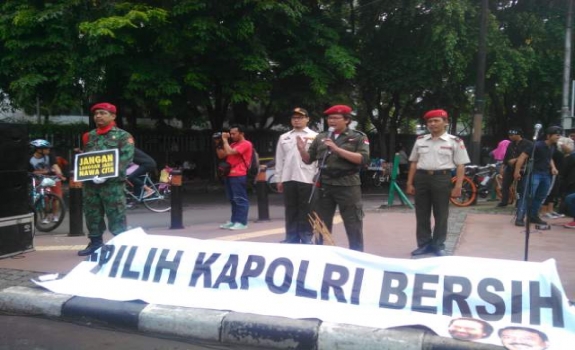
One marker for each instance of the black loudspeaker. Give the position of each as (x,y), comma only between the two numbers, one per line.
(16,235)
(14,147)
(14,193)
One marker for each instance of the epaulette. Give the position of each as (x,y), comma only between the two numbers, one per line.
(421,136)
(457,139)
(359,132)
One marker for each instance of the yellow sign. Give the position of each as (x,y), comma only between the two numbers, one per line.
(96,164)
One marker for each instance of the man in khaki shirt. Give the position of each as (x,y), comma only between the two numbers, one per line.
(295,178)
(432,159)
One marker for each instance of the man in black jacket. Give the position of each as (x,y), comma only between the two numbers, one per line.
(516,147)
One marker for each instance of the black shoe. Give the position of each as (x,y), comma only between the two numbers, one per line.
(422,250)
(519,222)
(94,245)
(440,252)
(501,205)
(537,220)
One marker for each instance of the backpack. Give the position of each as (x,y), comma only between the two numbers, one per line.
(254,166)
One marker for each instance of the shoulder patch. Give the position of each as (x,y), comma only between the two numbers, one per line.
(420,137)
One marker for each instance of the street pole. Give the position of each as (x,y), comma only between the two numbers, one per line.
(480,86)
(566,118)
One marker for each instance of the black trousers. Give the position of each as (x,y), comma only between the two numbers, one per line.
(432,193)
(506,183)
(348,199)
(137,180)
(297,208)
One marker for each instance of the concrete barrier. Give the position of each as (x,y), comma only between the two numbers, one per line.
(225,326)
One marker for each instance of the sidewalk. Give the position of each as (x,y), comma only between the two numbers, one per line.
(480,231)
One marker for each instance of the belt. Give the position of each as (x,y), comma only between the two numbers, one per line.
(434,172)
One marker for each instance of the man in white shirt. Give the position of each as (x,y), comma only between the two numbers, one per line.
(295,178)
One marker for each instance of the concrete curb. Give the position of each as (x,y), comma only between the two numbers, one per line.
(225,326)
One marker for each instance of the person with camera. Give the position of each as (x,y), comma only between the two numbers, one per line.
(236,151)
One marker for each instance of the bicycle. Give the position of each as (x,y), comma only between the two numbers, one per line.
(478,180)
(159,201)
(49,208)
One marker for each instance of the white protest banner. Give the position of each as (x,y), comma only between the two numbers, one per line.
(328,283)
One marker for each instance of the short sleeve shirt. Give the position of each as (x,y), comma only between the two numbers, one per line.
(541,157)
(42,163)
(443,153)
(515,149)
(239,162)
(338,171)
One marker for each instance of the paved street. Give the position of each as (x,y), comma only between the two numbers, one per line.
(479,231)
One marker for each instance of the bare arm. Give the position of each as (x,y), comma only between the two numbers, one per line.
(519,164)
(410,175)
(459,174)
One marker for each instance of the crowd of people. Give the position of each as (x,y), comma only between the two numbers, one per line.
(319,172)
(542,175)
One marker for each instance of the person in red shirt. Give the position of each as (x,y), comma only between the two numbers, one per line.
(238,153)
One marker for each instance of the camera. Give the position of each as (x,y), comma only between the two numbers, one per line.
(217,135)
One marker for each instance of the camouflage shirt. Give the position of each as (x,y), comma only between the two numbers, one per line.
(115,138)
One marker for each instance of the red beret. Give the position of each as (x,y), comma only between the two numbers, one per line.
(338,109)
(105,106)
(435,113)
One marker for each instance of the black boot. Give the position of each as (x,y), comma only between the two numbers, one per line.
(95,244)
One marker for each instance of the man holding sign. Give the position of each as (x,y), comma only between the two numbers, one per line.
(104,195)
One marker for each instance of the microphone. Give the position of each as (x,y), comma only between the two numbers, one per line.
(330,131)
(536,132)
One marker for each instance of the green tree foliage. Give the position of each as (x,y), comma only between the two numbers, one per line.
(415,56)
(251,61)
(39,54)
(525,64)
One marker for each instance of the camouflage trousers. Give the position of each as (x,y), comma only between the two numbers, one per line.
(107,199)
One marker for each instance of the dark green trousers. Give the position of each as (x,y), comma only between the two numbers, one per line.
(109,200)
(348,199)
(432,193)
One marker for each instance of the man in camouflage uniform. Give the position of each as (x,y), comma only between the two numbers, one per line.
(105,197)
(432,159)
(340,154)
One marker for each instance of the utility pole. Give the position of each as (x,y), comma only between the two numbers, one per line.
(566,118)
(480,86)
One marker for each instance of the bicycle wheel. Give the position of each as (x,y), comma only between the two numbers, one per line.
(468,193)
(49,212)
(161,201)
(272,184)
